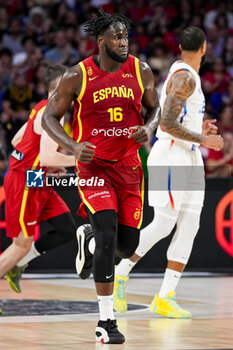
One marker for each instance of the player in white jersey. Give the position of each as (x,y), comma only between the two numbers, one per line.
(175,163)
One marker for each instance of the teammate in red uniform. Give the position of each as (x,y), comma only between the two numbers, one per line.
(26,207)
(108,129)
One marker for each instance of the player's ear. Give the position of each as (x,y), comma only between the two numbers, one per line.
(203,48)
(100,40)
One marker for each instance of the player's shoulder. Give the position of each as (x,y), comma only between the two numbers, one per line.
(183,76)
(73,72)
(144,66)
(182,83)
(183,71)
(40,104)
(146,74)
(71,80)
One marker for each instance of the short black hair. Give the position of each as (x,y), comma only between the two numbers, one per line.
(53,72)
(26,38)
(5,51)
(99,24)
(192,38)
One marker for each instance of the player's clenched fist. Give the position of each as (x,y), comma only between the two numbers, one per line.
(140,134)
(84,152)
(213,141)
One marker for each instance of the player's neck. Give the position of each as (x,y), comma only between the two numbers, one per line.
(108,65)
(192,61)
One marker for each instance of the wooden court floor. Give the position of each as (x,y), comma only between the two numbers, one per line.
(210,299)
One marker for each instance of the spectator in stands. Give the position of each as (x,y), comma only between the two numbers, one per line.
(30,65)
(220,163)
(37,16)
(3,19)
(141,37)
(159,58)
(17,103)
(228,100)
(86,47)
(185,12)
(215,84)
(12,39)
(140,10)
(225,122)
(209,59)
(228,54)
(220,8)
(221,25)
(6,68)
(39,89)
(63,52)
(28,44)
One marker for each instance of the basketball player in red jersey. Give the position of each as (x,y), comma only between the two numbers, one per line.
(27,207)
(108,91)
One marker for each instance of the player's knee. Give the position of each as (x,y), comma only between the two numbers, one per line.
(181,245)
(105,241)
(22,245)
(65,226)
(104,226)
(126,252)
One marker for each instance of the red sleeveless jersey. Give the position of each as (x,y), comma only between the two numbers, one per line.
(107,106)
(26,153)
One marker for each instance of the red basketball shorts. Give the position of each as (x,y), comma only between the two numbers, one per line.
(27,207)
(113,185)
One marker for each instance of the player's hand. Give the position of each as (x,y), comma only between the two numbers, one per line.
(140,133)
(213,141)
(84,152)
(208,128)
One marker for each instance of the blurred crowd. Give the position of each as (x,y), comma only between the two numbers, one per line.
(36,33)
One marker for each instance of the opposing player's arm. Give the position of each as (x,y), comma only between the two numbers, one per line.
(151,103)
(19,135)
(58,104)
(180,87)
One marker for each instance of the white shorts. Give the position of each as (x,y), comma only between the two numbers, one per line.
(176,175)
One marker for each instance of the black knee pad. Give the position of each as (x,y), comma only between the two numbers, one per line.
(64,230)
(104,225)
(127,241)
(64,226)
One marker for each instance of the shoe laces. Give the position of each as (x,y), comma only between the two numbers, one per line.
(121,289)
(110,325)
(17,271)
(173,303)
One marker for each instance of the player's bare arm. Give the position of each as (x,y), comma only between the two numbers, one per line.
(50,157)
(180,87)
(19,135)
(58,104)
(151,103)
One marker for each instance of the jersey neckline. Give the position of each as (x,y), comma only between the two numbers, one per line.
(106,73)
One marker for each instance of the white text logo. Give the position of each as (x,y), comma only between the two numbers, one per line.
(111,132)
